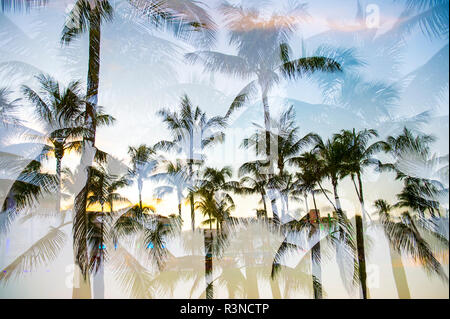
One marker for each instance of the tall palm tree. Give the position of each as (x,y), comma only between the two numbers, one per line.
(97,194)
(358,156)
(176,178)
(331,165)
(308,179)
(283,136)
(59,109)
(217,204)
(89,15)
(263,54)
(287,144)
(142,164)
(191,129)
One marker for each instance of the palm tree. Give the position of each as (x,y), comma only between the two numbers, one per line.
(102,191)
(113,196)
(217,207)
(358,156)
(263,54)
(8,108)
(288,187)
(284,136)
(331,164)
(143,163)
(383,210)
(59,109)
(89,15)
(287,145)
(308,179)
(404,235)
(48,248)
(215,203)
(31,184)
(412,163)
(430,16)
(174,174)
(191,129)
(331,159)
(97,194)
(254,181)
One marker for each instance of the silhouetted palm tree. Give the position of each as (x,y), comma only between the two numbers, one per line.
(263,54)
(191,129)
(176,178)
(254,181)
(331,164)
(59,109)
(308,179)
(89,15)
(405,236)
(359,155)
(143,162)
(283,136)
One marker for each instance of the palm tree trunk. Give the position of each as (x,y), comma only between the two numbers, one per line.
(263,197)
(398,270)
(191,173)
(275,288)
(315,205)
(265,102)
(208,265)
(92,98)
(361,256)
(316,268)
(336,196)
(58,176)
(82,285)
(99,277)
(275,215)
(360,242)
(93,77)
(140,194)
(306,203)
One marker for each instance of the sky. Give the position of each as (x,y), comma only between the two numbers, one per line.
(143,70)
